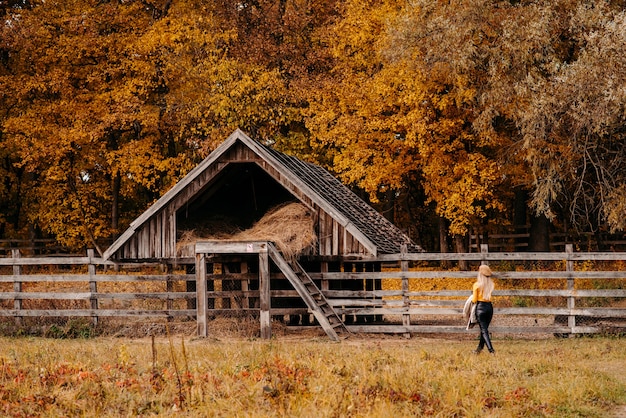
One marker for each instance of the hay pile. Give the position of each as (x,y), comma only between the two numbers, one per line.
(290,226)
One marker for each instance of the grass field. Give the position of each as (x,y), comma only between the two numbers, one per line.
(300,376)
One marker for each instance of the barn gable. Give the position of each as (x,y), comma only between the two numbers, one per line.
(244,178)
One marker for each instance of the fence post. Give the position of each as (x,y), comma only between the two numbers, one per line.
(169,288)
(404,267)
(245,286)
(324,286)
(264,296)
(17,285)
(571,302)
(484,250)
(93,285)
(201,299)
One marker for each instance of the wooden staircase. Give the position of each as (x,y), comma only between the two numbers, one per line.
(310,293)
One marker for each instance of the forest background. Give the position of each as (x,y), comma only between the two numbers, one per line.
(450,117)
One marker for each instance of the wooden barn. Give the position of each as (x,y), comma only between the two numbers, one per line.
(206,216)
(254,233)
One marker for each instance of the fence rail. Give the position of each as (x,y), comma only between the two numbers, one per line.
(563,293)
(558,241)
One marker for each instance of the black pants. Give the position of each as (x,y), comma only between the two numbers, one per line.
(484,312)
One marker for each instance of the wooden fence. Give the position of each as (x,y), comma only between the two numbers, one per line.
(554,293)
(558,241)
(90,287)
(35,246)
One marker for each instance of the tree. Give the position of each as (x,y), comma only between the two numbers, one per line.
(456,108)
(79,97)
(286,38)
(573,128)
(397,112)
(514,73)
(113,102)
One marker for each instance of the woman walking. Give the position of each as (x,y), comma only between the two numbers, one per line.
(484,309)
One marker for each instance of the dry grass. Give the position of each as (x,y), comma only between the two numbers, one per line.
(289,226)
(310,377)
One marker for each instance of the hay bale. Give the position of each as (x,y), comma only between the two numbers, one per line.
(290,226)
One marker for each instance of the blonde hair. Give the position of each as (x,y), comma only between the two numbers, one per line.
(485,283)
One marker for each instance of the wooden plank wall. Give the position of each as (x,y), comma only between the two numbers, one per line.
(156,239)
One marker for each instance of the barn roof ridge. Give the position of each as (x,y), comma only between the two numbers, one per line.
(375,232)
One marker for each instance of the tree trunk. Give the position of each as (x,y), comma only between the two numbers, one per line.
(520,215)
(443,241)
(460,245)
(539,239)
(443,236)
(115,209)
(389,206)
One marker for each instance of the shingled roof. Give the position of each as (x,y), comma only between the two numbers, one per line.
(373,230)
(385,235)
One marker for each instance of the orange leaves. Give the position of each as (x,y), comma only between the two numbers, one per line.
(86,109)
(454,102)
(396,112)
(209,93)
(463,188)
(377,393)
(280,380)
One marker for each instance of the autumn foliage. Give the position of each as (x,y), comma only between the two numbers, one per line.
(436,111)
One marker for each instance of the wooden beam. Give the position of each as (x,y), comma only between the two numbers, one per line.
(264,289)
(49,261)
(17,286)
(404,267)
(93,285)
(201,297)
(111,313)
(571,301)
(231,247)
(59,278)
(166,296)
(443,329)
(245,285)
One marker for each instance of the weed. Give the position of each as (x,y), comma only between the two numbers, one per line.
(521,302)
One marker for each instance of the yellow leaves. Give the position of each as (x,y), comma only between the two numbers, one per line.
(463,187)
(388,94)
(615,208)
(82,94)
(361,28)
(226,96)
(393,118)
(134,160)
